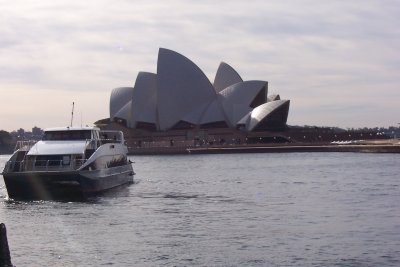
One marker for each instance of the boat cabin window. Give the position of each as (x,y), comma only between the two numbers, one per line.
(67,135)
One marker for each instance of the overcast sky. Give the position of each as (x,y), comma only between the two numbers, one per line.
(337,61)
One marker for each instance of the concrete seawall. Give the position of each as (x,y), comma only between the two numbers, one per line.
(274,148)
(286,149)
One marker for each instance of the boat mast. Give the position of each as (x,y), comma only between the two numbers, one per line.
(72,113)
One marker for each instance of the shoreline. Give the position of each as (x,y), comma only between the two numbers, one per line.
(297,149)
(387,146)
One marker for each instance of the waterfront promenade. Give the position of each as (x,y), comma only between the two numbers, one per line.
(372,146)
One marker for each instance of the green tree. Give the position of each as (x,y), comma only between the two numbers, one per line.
(5,142)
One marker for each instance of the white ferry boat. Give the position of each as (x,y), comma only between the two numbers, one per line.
(68,162)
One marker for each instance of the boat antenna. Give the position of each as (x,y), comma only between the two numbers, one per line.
(72,113)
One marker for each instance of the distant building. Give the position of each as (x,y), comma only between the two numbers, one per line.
(20,133)
(37,133)
(180,96)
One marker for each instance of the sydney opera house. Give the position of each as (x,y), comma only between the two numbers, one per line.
(180,96)
(178,110)
(179,100)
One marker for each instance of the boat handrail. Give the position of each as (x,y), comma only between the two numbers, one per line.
(24,145)
(109,136)
(42,165)
(95,143)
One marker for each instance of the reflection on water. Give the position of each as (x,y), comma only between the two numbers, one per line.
(306,209)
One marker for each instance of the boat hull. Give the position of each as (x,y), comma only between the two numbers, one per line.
(66,184)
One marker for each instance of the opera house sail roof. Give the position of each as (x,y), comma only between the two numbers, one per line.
(181,96)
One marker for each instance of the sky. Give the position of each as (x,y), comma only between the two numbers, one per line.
(337,61)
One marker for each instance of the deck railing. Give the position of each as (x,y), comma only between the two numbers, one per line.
(24,145)
(59,165)
(111,137)
(43,165)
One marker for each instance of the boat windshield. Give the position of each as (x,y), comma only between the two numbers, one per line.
(67,135)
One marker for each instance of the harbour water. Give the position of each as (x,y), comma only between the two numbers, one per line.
(283,209)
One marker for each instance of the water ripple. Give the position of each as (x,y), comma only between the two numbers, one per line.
(235,210)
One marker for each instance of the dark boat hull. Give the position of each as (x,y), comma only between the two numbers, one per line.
(68,184)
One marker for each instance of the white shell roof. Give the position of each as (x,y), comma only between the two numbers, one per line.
(226,76)
(245,119)
(119,97)
(182,88)
(195,115)
(144,100)
(261,112)
(124,112)
(273,98)
(213,113)
(236,99)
